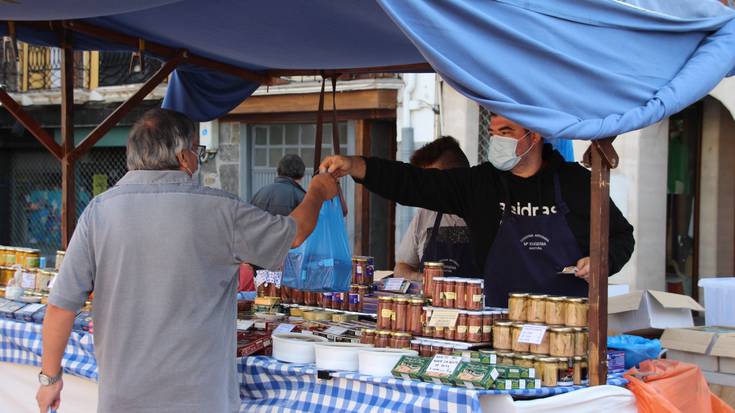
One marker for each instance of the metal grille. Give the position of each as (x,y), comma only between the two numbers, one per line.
(483,142)
(35,214)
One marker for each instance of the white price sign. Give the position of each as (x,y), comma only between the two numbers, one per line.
(532,334)
(284,328)
(443,364)
(244,324)
(393,284)
(335,331)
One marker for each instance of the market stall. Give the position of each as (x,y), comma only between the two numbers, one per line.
(518,39)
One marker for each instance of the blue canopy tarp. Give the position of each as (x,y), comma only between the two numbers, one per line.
(574,69)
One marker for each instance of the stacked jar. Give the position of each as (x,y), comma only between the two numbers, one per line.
(363,270)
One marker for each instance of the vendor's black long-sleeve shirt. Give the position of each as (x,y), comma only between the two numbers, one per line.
(476,195)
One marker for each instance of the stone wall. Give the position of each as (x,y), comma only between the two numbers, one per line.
(223,171)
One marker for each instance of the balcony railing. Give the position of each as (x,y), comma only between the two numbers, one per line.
(39,68)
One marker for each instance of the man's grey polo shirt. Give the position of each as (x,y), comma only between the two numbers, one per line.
(161,254)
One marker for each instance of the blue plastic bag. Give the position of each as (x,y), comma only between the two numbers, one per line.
(637,349)
(324,261)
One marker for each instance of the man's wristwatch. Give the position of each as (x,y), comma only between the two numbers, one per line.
(47,381)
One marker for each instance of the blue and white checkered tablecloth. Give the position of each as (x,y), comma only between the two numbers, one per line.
(20,342)
(269,385)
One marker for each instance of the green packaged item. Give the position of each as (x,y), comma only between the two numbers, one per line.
(488,357)
(410,367)
(468,355)
(517,384)
(516,372)
(475,375)
(441,369)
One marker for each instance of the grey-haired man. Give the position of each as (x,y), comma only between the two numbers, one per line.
(161,254)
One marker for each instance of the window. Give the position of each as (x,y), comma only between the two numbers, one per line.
(272,142)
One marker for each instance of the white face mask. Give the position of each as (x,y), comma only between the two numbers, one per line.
(502,152)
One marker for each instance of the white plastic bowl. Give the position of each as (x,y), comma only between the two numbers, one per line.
(295,347)
(380,361)
(338,356)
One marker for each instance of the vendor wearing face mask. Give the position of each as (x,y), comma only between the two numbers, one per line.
(528,211)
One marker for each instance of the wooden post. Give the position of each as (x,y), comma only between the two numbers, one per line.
(33,127)
(601,157)
(68,195)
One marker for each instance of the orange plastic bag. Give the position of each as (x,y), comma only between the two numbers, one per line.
(670,386)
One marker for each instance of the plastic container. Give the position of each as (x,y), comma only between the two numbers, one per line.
(719,299)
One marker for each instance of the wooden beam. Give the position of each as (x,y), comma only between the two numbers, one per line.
(125,108)
(409,68)
(168,52)
(308,117)
(30,124)
(308,102)
(602,157)
(68,187)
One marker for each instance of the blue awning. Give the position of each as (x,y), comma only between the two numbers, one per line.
(573,69)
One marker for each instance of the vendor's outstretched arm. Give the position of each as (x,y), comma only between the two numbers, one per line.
(321,188)
(445,191)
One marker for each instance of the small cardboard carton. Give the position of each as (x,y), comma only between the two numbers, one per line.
(711,348)
(650,311)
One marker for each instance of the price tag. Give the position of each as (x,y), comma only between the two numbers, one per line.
(532,334)
(244,324)
(335,331)
(28,280)
(284,328)
(442,317)
(443,365)
(393,284)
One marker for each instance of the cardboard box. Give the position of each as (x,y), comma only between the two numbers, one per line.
(711,348)
(650,311)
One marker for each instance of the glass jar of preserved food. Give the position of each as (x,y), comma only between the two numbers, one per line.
(400,313)
(541,348)
(427,331)
(33,258)
(59,259)
(450,333)
(337,300)
(580,370)
(566,372)
(367,336)
(517,306)
(425,350)
(362,291)
(575,314)
(285,295)
(326,300)
(431,271)
(487,326)
(359,270)
(537,308)
(401,340)
(561,342)
(549,371)
(297,296)
(382,338)
(415,311)
(438,332)
(450,295)
(555,310)
(462,326)
(385,312)
(353,302)
(475,294)
(517,346)
(502,338)
(460,288)
(506,358)
(447,349)
(581,341)
(474,326)
(416,345)
(437,298)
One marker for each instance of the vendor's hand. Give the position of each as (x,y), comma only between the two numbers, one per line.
(49,396)
(324,186)
(340,166)
(583,269)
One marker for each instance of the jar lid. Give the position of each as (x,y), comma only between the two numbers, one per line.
(434,264)
(362,287)
(580,358)
(576,300)
(556,298)
(474,313)
(526,357)
(580,329)
(538,296)
(400,299)
(359,259)
(488,351)
(518,295)
(416,342)
(549,359)
(439,279)
(417,301)
(383,332)
(449,279)
(561,329)
(506,354)
(401,334)
(503,323)
(385,298)
(563,359)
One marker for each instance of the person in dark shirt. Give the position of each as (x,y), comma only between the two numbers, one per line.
(285,194)
(528,210)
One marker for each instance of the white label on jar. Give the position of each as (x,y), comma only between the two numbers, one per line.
(531,372)
(533,334)
(28,280)
(359,269)
(477,298)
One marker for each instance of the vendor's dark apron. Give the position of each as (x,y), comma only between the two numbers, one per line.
(529,251)
(455,252)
